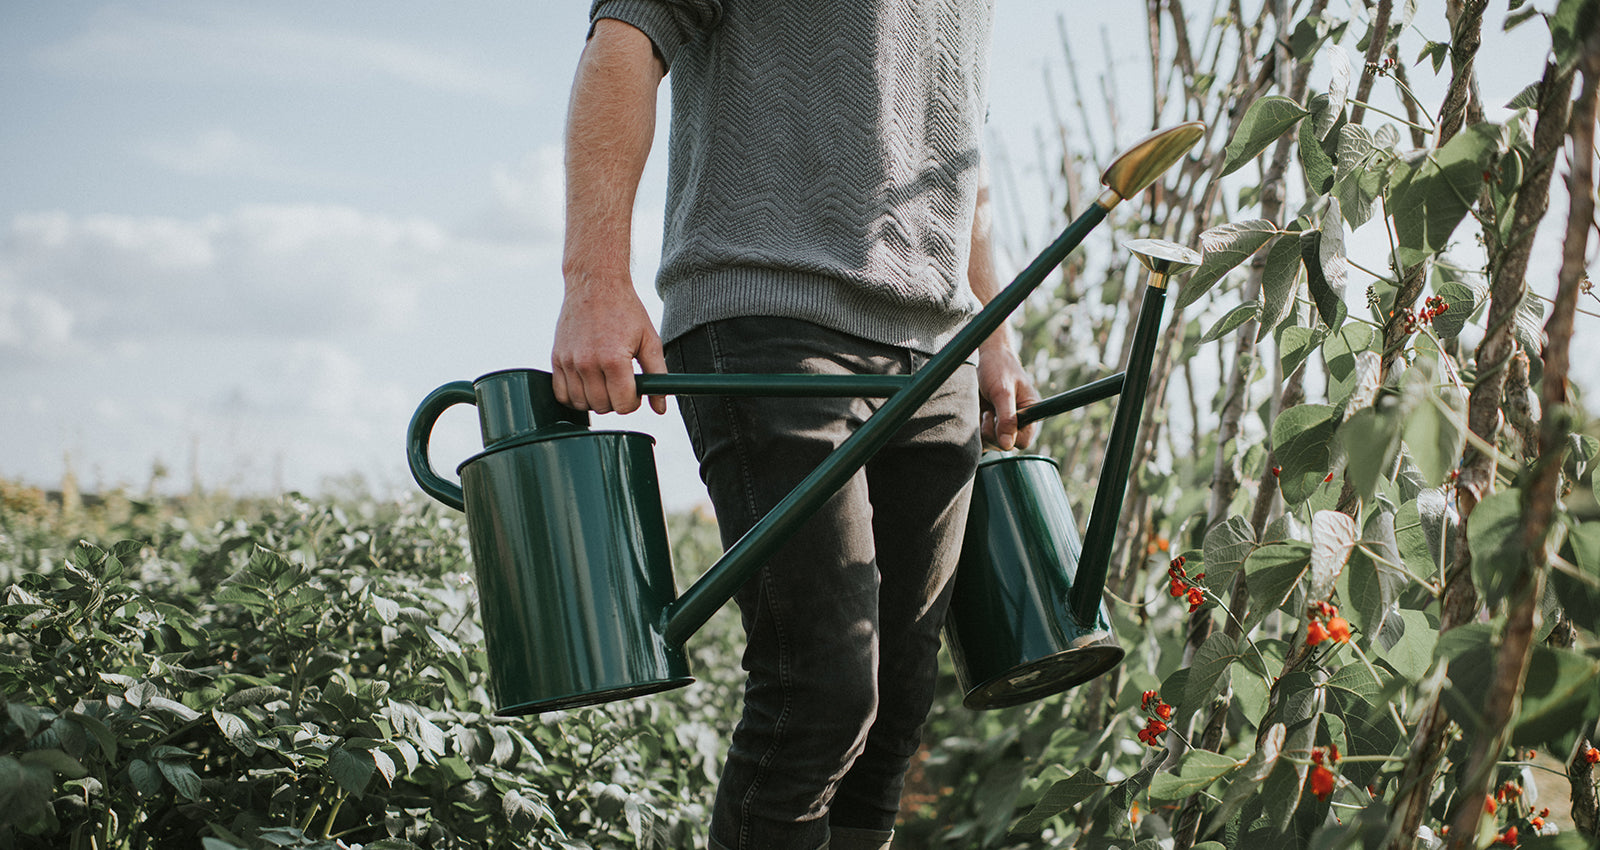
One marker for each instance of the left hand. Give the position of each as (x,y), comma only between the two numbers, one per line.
(1003,386)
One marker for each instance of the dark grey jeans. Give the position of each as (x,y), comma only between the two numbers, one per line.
(843,623)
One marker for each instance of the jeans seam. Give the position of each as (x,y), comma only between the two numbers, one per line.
(747,483)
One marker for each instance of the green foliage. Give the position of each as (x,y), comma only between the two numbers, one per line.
(1295,693)
(312,679)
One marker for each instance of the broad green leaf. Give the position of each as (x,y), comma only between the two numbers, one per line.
(1428,203)
(1250,693)
(385,765)
(24,792)
(1580,595)
(1371,443)
(1573,21)
(1226,546)
(99,731)
(1209,670)
(1528,98)
(1231,322)
(1122,795)
(1322,252)
(1425,530)
(352,771)
(55,761)
(1296,345)
(1412,655)
(1314,161)
(1338,64)
(1494,533)
(1246,785)
(1462,294)
(1357,679)
(236,730)
(1353,183)
(1222,248)
(1301,439)
(455,769)
(1264,121)
(1063,795)
(26,717)
(1371,584)
(1280,282)
(1194,771)
(145,777)
(1333,536)
(1435,438)
(1435,52)
(1339,352)
(182,778)
(1273,571)
(1559,698)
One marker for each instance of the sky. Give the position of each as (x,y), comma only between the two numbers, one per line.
(239,242)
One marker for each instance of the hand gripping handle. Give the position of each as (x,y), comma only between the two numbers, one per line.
(421,429)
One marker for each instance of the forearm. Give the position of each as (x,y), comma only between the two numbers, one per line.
(610,125)
(982,275)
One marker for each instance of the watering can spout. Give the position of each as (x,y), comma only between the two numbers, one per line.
(1027,618)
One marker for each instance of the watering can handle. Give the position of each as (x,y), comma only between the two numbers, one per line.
(419,432)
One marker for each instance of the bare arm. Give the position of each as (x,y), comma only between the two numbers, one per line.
(603,327)
(1003,384)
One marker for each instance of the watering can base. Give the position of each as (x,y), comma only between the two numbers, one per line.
(1046,676)
(592,697)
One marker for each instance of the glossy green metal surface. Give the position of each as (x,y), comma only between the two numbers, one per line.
(573,566)
(771,386)
(1010,630)
(517,402)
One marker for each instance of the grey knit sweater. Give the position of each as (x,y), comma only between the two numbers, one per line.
(823,160)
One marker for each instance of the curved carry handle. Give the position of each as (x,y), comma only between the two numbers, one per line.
(421,429)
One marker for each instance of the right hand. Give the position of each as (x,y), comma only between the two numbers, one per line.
(603,328)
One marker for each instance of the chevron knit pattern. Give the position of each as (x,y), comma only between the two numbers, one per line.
(823,160)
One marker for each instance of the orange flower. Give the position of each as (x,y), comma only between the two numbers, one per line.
(1592,756)
(1537,823)
(1164,711)
(1339,630)
(1508,838)
(1197,597)
(1489,805)
(1315,633)
(1321,782)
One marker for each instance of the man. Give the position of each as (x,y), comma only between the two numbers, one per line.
(826,213)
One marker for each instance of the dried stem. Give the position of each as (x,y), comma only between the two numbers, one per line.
(1476,479)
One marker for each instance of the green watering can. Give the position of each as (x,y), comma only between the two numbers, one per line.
(569,538)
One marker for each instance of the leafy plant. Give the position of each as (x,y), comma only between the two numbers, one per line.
(312,679)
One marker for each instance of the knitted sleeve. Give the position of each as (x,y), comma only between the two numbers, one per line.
(669,23)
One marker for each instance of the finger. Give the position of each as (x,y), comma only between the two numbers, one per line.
(1005,419)
(616,381)
(558,385)
(653,362)
(1025,434)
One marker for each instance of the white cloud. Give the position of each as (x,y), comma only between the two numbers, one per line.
(528,197)
(218,152)
(237,42)
(300,271)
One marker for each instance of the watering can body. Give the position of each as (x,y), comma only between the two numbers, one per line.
(1010,631)
(569,545)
